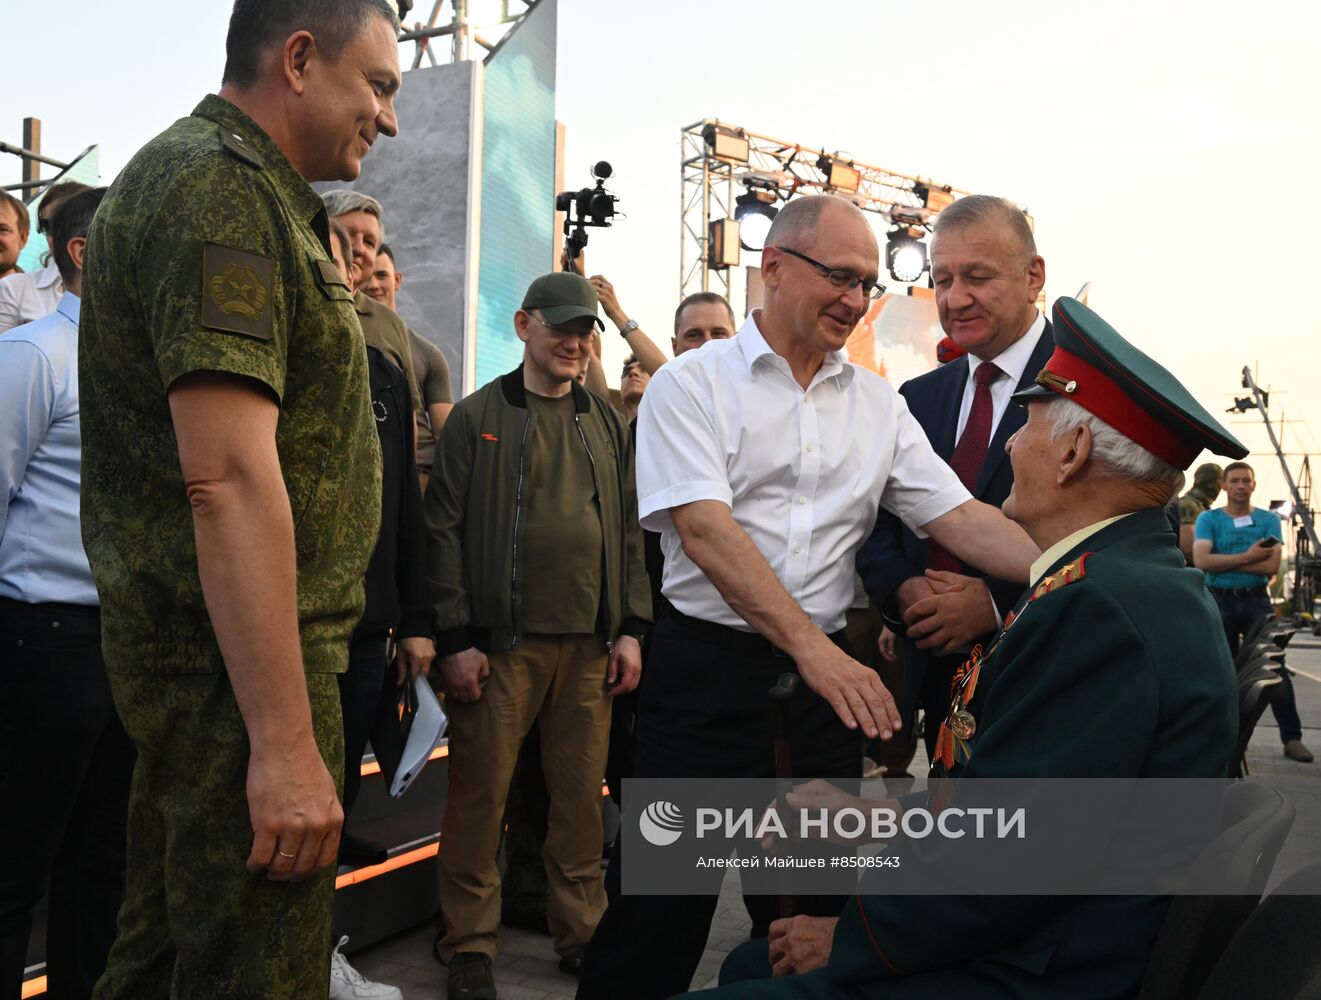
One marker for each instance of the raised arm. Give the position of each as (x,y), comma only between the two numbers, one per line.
(649,356)
(982,536)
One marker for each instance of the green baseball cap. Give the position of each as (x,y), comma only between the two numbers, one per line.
(562,297)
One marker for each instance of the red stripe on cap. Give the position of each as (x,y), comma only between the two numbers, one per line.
(1105,398)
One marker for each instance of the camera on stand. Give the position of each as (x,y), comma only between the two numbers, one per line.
(590,206)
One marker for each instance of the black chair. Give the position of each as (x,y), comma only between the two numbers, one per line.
(1274,956)
(1255,819)
(1256,686)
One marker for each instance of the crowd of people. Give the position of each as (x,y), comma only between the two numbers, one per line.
(240,507)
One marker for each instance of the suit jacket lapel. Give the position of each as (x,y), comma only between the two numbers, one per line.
(946,407)
(1015,416)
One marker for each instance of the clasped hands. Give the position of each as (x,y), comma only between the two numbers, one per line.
(945,611)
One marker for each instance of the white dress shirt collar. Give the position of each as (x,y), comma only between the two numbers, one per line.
(754,348)
(1014,358)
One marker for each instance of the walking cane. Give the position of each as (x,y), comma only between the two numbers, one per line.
(780,696)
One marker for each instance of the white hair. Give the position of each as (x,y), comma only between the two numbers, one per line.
(343,201)
(1120,456)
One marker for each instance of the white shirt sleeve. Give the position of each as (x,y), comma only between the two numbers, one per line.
(10,313)
(680,457)
(921,487)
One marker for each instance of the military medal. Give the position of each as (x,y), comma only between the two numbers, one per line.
(962,724)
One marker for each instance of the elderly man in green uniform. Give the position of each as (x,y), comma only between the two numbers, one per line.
(1110,666)
(231,498)
(1208,481)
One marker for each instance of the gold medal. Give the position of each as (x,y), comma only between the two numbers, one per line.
(962,724)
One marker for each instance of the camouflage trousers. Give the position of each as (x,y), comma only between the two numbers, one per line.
(195,923)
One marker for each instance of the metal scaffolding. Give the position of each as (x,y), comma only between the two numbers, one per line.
(709,185)
(464,29)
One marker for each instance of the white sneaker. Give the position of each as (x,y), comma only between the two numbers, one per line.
(347,983)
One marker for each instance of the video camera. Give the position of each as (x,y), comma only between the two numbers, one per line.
(591,206)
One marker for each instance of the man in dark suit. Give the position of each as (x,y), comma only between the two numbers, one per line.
(1110,665)
(988,276)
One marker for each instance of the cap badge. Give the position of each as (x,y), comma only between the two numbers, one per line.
(1052,381)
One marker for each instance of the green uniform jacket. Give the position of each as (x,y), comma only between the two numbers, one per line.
(1123,673)
(473,507)
(209,254)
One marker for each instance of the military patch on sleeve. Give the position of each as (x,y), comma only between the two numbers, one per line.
(1062,577)
(236,291)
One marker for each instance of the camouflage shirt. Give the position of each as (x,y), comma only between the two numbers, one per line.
(1191,505)
(209,253)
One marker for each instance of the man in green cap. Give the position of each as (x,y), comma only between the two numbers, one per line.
(231,499)
(541,601)
(1208,480)
(1111,665)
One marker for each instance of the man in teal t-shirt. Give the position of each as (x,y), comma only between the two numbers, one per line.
(1233,545)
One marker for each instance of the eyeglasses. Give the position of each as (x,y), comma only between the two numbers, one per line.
(839,277)
(564,331)
(43,223)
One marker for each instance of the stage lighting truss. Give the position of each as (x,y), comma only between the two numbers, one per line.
(906,254)
(718,175)
(476,29)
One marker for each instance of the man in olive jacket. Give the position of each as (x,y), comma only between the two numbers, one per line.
(540,602)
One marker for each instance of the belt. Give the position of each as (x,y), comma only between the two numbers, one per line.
(48,611)
(1239,593)
(747,643)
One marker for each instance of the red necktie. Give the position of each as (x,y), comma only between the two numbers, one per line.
(970,453)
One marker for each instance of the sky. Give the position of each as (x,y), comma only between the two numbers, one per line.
(1167,150)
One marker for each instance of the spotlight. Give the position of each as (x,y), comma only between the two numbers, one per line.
(934,196)
(839,175)
(754,212)
(722,245)
(726,144)
(905,254)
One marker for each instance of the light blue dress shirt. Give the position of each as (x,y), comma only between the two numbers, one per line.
(41,544)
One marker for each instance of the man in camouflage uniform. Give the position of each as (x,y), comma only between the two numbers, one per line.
(1208,481)
(231,498)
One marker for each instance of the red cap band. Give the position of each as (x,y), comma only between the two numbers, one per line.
(1103,397)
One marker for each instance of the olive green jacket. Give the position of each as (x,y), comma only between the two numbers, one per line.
(474,506)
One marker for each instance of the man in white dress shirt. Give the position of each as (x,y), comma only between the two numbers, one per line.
(31,295)
(763,461)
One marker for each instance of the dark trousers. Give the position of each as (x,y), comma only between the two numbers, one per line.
(1237,615)
(704,713)
(64,788)
(359,695)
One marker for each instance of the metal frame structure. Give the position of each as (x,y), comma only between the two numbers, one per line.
(461,29)
(709,185)
(1307,548)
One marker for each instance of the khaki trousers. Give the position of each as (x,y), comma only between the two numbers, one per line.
(560,680)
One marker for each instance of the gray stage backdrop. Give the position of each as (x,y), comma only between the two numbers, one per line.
(423,178)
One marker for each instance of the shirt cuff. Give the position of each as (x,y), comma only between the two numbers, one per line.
(654,509)
(938,505)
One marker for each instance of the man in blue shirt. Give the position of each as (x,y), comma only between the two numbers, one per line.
(1238,547)
(68,762)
